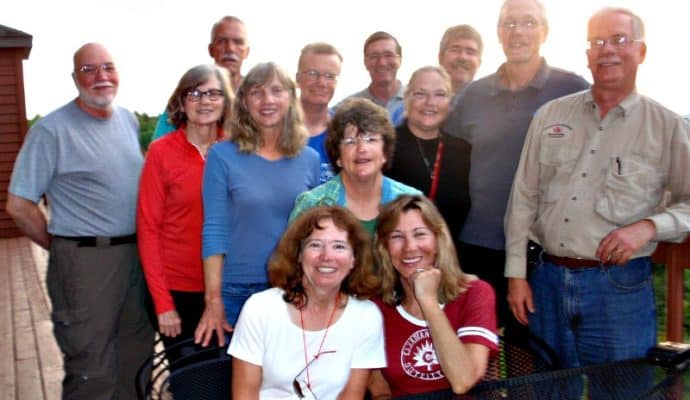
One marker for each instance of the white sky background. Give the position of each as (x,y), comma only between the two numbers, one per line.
(154,42)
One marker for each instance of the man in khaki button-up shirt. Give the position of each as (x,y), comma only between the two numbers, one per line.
(589,187)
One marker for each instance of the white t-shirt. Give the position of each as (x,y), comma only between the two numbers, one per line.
(265,336)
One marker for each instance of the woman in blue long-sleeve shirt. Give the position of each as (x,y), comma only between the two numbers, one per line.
(250,185)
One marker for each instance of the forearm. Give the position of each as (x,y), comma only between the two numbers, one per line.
(30,219)
(213,278)
(461,366)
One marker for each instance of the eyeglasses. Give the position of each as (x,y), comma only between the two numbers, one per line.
(388,56)
(420,95)
(299,385)
(526,24)
(617,41)
(314,75)
(92,69)
(196,95)
(366,138)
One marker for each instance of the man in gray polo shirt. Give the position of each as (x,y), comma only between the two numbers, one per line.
(493,114)
(85,158)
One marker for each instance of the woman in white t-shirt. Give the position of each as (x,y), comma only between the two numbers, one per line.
(314,334)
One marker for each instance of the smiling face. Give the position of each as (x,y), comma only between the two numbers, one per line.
(362,159)
(95,76)
(317,89)
(427,102)
(205,111)
(461,59)
(521,31)
(411,245)
(614,68)
(382,60)
(326,257)
(229,46)
(268,104)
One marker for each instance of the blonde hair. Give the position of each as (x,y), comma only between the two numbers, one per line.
(243,130)
(453,280)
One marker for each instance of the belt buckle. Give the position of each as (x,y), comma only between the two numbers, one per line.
(102,241)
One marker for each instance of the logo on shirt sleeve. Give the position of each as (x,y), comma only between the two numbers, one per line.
(418,357)
(558,130)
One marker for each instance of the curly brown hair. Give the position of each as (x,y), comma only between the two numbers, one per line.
(366,116)
(285,271)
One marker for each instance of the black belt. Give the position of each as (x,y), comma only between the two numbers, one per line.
(100,241)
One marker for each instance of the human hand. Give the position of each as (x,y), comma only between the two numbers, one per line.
(621,244)
(425,282)
(169,323)
(212,321)
(520,299)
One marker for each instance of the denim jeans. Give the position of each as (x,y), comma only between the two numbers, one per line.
(234,296)
(595,315)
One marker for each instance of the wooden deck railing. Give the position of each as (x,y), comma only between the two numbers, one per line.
(676,257)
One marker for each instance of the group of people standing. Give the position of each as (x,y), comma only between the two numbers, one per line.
(327,240)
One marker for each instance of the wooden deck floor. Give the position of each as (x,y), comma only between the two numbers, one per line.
(30,361)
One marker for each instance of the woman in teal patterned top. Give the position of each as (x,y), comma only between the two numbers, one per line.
(361,140)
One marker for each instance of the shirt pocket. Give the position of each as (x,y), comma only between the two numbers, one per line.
(556,164)
(632,188)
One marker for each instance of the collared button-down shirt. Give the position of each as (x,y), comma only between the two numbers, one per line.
(581,176)
(394,106)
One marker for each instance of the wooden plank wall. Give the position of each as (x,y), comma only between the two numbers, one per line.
(13,127)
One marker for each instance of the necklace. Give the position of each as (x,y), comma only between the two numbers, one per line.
(323,339)
(433,172)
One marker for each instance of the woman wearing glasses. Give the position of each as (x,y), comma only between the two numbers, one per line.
(361,139)
(314,334)
(169,210)
(440,324)
(250,184)
(428,159)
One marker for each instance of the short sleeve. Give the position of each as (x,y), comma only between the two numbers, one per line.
(370,351)
(36,164)
(247,339)
(478,316)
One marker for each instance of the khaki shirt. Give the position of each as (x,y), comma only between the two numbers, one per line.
(580,177)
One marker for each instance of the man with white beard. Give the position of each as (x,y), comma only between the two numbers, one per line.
(86,159)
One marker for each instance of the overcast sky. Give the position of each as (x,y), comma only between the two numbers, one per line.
(155,41)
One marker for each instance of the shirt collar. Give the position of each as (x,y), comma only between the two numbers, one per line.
(538,82)
(625,107)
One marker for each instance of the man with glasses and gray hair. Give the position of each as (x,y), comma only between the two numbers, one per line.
(590,188)
(382,58)
(318,69)
(85,158)
(493,115)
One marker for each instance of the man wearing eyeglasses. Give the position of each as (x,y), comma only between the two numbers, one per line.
(493,115)
(382,58)
(318,69)
(229,47)
(590,189)
(85,158)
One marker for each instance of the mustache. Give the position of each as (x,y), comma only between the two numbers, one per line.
(230,57)
(461,64)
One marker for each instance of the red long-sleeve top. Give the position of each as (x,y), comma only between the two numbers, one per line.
(169,218)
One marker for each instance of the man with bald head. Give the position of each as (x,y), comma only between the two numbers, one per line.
(229,47)
(591,189)
(85,158)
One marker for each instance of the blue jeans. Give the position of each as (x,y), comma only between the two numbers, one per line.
(234,296)
(595,315)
